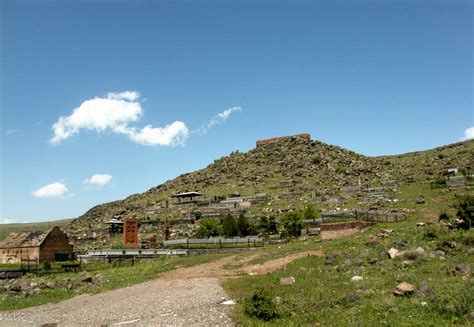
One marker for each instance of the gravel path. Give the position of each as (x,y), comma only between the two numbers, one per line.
(184,297)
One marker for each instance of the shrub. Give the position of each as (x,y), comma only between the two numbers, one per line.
(465,207)
(260,305)
(432,233)
(292,223)
(438,183)
(444,217)
(310,212)
(208,228)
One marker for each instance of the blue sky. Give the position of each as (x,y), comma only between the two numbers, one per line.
(377,77)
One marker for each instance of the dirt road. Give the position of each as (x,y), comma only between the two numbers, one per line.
(183,297)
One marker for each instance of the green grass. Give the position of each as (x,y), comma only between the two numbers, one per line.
(324,293)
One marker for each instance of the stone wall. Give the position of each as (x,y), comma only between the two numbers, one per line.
(282,139)
(56,242)
(14,255)
(331,231)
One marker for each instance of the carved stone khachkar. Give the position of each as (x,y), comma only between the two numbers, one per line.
(130,233)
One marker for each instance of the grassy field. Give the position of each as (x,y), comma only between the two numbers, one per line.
(324,294)
(6,229)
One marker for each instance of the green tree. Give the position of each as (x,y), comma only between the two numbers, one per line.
(229,226)
(208,228)
(242,225)
(310,212)
(292,223)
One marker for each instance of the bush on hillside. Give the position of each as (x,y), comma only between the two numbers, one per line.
(465,211)
(310,212)
(292,223)
(260,305)
(208,228)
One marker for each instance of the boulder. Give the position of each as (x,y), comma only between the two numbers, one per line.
(420,251)
(394,253)
(404,289)
(287,280)
(424,289)
(357,278)
(462,269)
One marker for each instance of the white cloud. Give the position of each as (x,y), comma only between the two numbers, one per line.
(115,112)
(219,118)
(468,134)
(98,179)
(171,135)
(10,132)
(54,190)
(7,221)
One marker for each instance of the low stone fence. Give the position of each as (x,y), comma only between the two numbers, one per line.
(331,231)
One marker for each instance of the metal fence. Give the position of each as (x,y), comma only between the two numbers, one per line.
(220,242)
(367,215)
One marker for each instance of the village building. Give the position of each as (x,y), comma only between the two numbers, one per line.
(41,246)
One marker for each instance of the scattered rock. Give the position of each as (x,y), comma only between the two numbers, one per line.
(420,224)
(277,300)
(393,253)
(353,298)
(87,279)
(15,288)
(401,243)
(50,285)
(420,201)
(451,244)
(404,289)
(287,280)
(228,302)
(385,232)
(423,304)
(424,289)
(461,269)
(407,263)
(357,278)
(420,251)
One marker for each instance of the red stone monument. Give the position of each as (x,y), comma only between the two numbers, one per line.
(130,233)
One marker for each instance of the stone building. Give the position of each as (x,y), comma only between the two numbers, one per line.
(41,246)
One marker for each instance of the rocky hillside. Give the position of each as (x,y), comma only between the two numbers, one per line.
(295,166)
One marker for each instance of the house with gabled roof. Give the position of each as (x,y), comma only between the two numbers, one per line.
(41,246)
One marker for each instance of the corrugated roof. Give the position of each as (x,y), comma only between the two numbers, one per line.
(186,194)
(25,239)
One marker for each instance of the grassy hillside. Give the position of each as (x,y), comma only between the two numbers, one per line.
(6,229)
(291,172)
(324,293)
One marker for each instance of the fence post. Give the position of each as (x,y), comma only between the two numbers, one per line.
(220,243)
(187,242)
